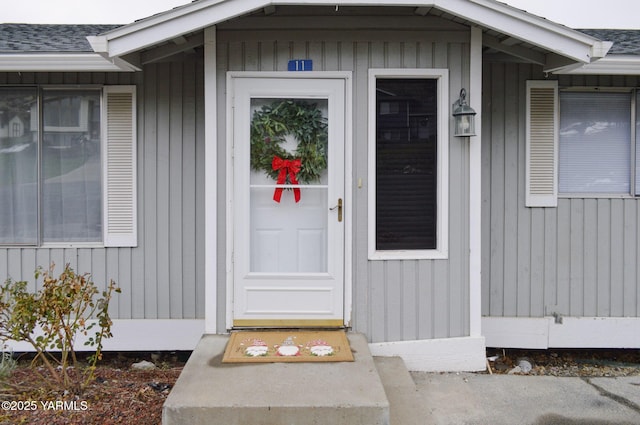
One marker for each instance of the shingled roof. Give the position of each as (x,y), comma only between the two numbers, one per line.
(625,42)
(71,38)
(39,38)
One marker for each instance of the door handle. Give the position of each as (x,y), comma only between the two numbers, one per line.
(339,207)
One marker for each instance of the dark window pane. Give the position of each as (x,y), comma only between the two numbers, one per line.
(406,164)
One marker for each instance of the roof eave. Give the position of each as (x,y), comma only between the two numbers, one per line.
(611,65)
(60,62)
(535,30)
(171,24)
(99,45)
(486,13)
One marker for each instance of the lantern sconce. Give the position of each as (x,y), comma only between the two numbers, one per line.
(463,117)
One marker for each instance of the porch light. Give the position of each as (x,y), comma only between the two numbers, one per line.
(463,117)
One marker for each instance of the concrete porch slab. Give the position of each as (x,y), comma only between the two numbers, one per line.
(210,392)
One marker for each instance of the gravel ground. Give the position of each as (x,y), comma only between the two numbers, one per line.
(581,363)
(119,394)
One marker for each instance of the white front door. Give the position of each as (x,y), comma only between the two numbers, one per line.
(288,201)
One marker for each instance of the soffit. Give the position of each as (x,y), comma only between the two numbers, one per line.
(507,30)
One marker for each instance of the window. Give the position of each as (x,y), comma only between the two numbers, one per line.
(18,166)
(65,111)
(595,143)
(407,162)
(581,142)
(71,173)
(58,150)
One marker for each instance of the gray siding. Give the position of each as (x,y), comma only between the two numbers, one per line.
(164,276)
(579,259)
(393,300)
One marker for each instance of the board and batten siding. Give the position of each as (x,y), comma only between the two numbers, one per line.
(577,259)
(163,277)
(392,300)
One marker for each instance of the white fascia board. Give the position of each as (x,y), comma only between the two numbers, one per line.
(58,62)
(610,65)
(530,28)
(167,26)
(99,44)
(487,13)
(504,19)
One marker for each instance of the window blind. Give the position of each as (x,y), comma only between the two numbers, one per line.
(595,142)
(406,164)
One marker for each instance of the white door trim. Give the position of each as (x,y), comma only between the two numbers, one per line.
(211,188)
(348,265)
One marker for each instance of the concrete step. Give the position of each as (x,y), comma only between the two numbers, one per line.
(406,406)
(210,392)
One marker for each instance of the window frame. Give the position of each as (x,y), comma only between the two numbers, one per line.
(82,113)
(442,83)
(123,233)
(633,122)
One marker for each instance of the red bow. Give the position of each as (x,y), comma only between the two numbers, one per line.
(286,166)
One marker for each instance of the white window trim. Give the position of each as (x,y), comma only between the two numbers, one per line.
(442,237)
(633,123)
(551,199)
(110,237)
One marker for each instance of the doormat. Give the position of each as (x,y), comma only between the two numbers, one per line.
(287,346)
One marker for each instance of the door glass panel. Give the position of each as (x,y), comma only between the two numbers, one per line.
(289,186)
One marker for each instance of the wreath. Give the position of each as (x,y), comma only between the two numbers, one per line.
(271,124)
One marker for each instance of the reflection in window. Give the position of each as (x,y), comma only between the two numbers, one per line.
(67,191)
(18,166)
(595,142)
(71,168)
(64,110)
